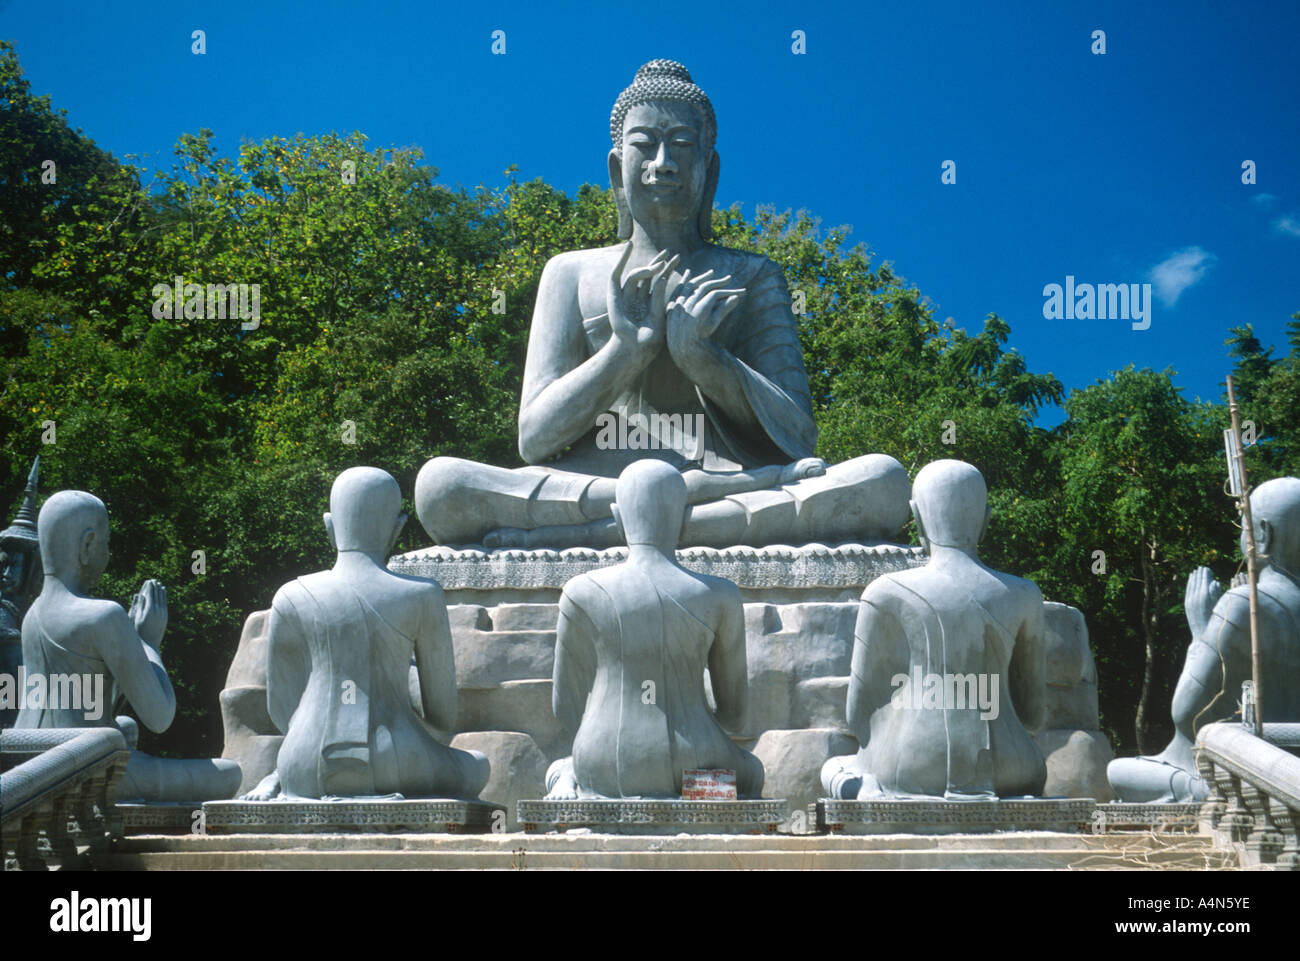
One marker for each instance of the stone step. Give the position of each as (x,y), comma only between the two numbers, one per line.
(1019,851)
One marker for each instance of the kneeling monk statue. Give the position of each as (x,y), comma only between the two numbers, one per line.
(665,347)
(631,649)
(339,657)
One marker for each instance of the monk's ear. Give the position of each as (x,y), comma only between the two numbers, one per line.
(85,550)
(620,196)
(1267,536)
(705,221)
(397,531)
(988,516)
(329,529)
(618,519)
(920,525)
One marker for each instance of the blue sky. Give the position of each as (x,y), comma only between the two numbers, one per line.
(1103,167)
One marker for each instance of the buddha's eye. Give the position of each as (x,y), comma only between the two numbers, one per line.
(641,144)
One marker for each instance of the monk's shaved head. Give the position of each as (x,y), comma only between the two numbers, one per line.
(64,521)
(365,504)
(651,501)
(951,501)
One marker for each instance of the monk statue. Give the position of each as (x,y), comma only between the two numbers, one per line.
(338,662)
(79,646)
(665,346)
(1218,658)
(20,581)
(948,664)
(632,646)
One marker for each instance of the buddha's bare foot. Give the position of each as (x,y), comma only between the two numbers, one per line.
(808,467)
(561,782)
(268,789)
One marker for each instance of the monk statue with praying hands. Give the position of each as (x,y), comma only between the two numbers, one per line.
(669,347)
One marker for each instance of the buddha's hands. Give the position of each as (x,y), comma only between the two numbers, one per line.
(1203,592)
(637,304)
(149,612)
(700,306)
(808,467)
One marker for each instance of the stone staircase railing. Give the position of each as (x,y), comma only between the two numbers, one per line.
(56,794)
(1254,802)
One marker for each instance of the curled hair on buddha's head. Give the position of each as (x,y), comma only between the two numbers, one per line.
(663,81)
(666,81)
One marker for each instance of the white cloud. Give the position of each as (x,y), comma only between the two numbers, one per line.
(1178,271)
(1288,224)
(1263,199)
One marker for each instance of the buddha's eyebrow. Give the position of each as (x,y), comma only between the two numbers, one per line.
(656,130)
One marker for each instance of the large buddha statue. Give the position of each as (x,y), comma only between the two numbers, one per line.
(631,650)
(115,655)
(1218,658)
(665,346)
(339,650)
(948,664)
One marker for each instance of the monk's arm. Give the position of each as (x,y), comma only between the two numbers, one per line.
(1027,681)
(728,665)
(1202,679)
(435,662)
(287,663)
(137,670)
(575,664)
(879,654)
(564,390)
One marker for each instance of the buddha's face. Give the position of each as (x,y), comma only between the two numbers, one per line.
(665,161)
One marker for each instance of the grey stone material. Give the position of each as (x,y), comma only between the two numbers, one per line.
(929,628)
(811,566)
(56,795)
(1253,802)
(518,767)
(68,632)
(693,346)
(936,816)
(621,816)
(516,706)
(1168,818)
(1219,656)
(1076,763)
(632,647)
(792,762)
(160,818)
(338,652)
(20,582)
(351,815)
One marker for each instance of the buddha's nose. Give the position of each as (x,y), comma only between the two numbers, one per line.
(663,161)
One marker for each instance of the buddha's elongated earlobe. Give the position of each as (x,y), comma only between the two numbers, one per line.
(620,196)
(705,220)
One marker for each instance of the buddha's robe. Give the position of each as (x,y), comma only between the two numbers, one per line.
(629,675)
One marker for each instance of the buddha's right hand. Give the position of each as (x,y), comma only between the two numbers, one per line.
(1203,592)
(638,304)
(149,612)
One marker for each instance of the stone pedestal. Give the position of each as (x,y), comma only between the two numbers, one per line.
(352,816)
(937,816)
(160,818)
(613,816)
(1158,818)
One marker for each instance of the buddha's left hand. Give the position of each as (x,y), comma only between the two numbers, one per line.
(700,307)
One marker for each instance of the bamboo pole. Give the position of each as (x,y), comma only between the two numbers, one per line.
(1252,572)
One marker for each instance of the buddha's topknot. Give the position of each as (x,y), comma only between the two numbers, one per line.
(662,80)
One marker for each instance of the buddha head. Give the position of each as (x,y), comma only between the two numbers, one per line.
(73,532)
(1275,509)
(950,504)
(365,511)
(663,166)
(650,504)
